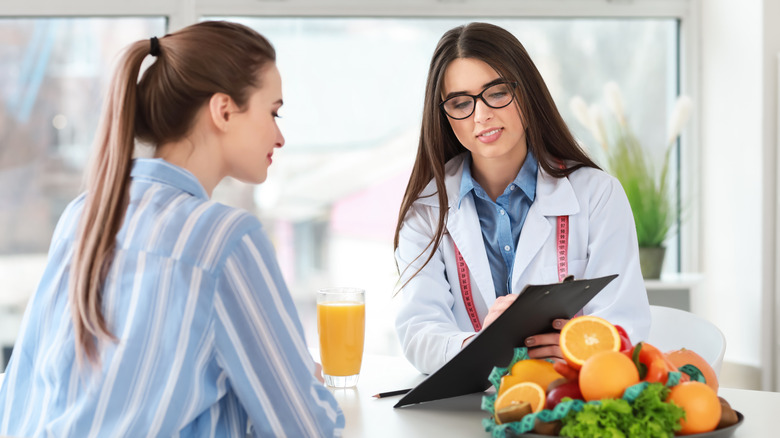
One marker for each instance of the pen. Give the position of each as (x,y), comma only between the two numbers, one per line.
(392,393)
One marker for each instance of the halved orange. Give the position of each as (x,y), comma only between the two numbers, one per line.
(528,392)
(584,336)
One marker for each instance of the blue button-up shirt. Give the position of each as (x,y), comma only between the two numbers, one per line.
(209,338)
(502,220)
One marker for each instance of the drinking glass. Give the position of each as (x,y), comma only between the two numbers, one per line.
(341,324)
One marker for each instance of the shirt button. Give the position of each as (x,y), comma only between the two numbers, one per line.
(511,187)
(501,212)
(507,248)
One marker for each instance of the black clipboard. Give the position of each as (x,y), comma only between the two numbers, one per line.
(531,313)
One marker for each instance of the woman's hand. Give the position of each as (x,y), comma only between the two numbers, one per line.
(546,346)
(498,307)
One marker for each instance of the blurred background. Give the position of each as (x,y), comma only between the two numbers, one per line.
(353,76)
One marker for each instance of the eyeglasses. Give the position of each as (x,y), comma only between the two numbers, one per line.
(495,96)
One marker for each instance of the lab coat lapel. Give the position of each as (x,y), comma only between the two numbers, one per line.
(463,226)
(554,197)
(536,231)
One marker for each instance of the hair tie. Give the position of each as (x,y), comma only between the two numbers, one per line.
(154,46)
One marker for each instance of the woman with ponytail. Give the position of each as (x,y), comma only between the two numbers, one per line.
(497,178)
(161,312)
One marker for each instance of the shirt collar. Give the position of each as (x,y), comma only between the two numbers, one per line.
(161,171)
(525,179)
(467,182)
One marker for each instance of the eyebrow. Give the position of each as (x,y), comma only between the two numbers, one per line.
(462,93)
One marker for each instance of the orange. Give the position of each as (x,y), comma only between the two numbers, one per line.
(701,405)
(607,374)
(538,371)
(528,392)
(585,336)
(684,356)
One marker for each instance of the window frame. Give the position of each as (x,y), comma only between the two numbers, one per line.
(180,13)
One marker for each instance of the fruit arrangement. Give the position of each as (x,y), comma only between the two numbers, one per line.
(606,387)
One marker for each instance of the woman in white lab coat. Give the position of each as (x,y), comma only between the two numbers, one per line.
(495,151)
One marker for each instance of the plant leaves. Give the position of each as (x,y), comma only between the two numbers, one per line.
(646,189)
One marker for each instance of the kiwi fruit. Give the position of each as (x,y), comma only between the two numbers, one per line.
(513,412)
(551,428)
(728,416)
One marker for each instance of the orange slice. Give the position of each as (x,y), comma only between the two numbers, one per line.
(585,336)
(538,371)
(528,392)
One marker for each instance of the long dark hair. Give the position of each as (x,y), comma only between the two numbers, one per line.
(192,64)
(548,136)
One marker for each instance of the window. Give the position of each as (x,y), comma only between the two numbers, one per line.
(53,73)
(353,91)
(353,101)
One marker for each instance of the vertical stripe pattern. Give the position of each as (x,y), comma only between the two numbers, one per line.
(209,340)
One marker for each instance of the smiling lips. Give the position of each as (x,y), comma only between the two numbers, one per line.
(490,135)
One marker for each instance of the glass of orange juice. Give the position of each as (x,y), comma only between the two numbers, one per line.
(341,324)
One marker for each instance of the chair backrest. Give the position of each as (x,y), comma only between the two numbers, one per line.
(672,329)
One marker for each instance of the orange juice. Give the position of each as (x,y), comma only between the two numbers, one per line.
(341,325)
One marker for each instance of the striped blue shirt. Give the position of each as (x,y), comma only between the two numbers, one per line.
(501,221)
(209,339)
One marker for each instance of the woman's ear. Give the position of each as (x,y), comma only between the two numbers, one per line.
(221,106)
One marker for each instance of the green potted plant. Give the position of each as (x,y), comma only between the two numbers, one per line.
(644,181)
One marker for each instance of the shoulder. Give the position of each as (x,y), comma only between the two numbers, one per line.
(590,181)
(68,222)
(596,189)
(587,174)
(196,231)
(219,229)
(225,220)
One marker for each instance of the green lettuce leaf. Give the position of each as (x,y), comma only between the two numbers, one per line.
(647,417)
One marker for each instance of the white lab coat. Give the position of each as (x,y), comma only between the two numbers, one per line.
(431,319)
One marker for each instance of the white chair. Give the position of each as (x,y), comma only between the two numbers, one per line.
(672,329)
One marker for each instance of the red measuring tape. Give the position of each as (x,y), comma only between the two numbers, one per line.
(465,289)
(563,246)
(562,243)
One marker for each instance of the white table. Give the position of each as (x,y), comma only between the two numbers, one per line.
(367,416)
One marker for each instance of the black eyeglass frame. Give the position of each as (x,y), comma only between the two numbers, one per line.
(481,97)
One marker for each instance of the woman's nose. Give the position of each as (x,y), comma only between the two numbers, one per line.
(482,112)
(279,138)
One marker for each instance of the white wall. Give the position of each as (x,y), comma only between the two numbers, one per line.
(770,348)
(740,42)
(731,149)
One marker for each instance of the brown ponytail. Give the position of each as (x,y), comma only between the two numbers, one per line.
(192,65)
(106,199)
